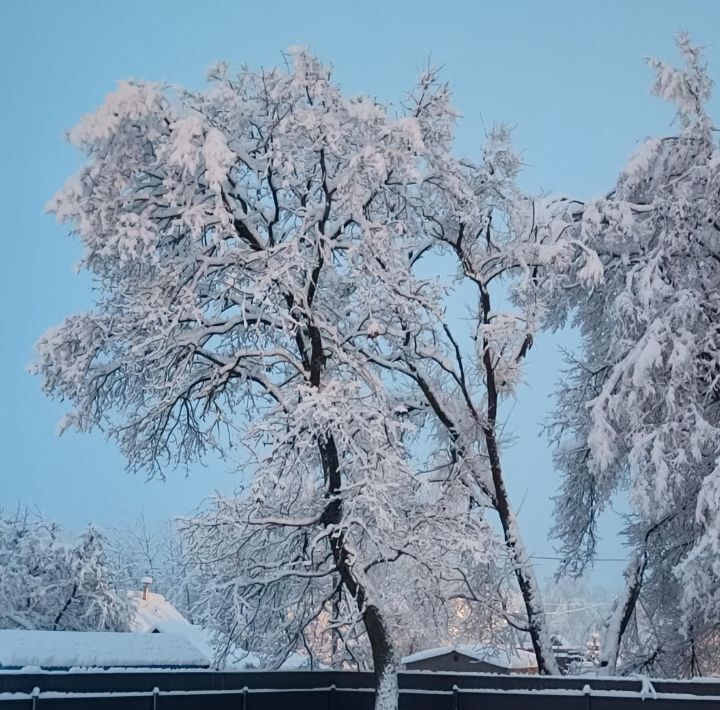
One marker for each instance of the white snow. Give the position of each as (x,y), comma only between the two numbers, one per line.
(515,659)
(301,662)
(65,649)
(156,614)
(241,660)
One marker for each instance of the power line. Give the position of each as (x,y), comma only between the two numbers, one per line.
(596,559)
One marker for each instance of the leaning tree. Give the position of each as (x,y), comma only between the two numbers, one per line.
(504,256)
(639,409)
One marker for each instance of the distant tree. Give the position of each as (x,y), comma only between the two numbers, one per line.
(157,549)
(639,407)
(577,609)
(51,581)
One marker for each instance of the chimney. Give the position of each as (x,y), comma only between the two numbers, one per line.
(146,582)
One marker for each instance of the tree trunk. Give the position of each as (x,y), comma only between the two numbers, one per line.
(622,613)
(527,581)
(547,665)
(66,606)
(384,664)
(624,608)
(501,503)
(384,660)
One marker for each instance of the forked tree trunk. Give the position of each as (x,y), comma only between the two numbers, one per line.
(384,664)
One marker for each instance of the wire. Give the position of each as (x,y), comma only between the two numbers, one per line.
(596,559)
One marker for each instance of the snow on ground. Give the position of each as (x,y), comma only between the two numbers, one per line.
(247,661)
(67,649)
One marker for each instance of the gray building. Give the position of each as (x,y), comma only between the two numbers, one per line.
(468,658)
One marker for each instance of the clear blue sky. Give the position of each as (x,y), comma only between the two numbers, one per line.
(568,74)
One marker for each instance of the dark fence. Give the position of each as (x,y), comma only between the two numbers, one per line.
(336,690)
(145,681)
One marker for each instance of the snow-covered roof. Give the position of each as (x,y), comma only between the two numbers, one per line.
(301,662)
(99,649)
(513,659)
(155,614)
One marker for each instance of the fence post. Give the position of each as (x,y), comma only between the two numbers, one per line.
(456,697)
(35,695)
(587,691)
(331,695)
(244,696)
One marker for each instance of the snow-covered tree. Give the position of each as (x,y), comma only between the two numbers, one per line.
(273,583)
(244,242)
(504,254)
(639,408)
(156,549)
(259,253)
(51,581)
(577,609)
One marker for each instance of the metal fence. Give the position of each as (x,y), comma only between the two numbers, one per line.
(335,690)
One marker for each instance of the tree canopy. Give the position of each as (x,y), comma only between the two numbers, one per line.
(266,260)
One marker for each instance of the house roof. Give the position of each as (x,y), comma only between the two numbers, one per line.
(155,614)
(96,649)
(301,662)
(512,659)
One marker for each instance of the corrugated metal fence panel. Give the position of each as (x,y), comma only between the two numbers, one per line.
(108,702)
(330,690)
(324,699)
(649,703)
(414,700)
(480,700)
(694,687)
(445,681)
(110,681)
(114,681)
